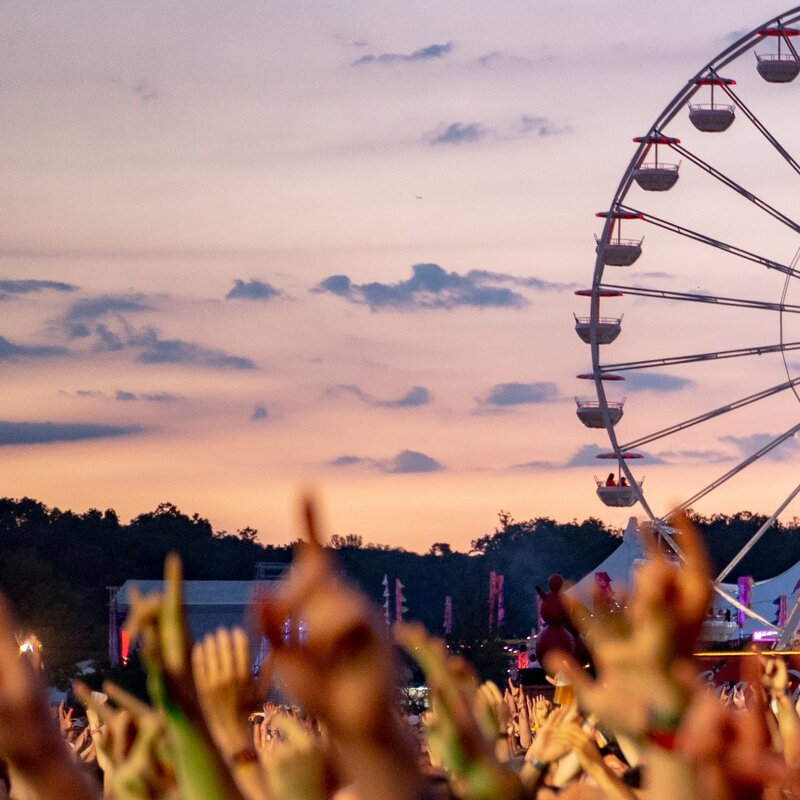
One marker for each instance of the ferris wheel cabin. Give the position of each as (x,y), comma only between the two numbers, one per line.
(655,176)
(712,117)
(608,328)
(591,414)
(782,66)
(616,251)
(617,496)
(617,493)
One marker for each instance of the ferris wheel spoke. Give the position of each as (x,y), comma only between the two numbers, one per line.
(733,563)
(711,241)
(738,188)
(739,606)
(708,415)
(688,359)
(665,294)
(761,128)
(760,453)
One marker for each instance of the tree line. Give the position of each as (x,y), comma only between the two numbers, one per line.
(55,566)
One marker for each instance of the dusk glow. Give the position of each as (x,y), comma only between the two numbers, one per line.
(252,248)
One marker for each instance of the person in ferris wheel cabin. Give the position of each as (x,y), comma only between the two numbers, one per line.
(610,480)
(623,481)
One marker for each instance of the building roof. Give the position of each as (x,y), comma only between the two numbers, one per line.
(202,593)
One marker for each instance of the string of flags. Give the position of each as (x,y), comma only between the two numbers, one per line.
(399,601)
(386,596)
(497,609)
(400,608)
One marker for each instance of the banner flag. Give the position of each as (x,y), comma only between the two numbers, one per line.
(399,601)
(501,610)
(745,584)
(782,611)
(448,616)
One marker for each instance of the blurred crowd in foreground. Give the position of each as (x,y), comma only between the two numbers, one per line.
(638,724)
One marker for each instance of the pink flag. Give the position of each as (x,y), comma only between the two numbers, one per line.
(602,582)
(448,616)
(492,596)
(399,601)
(501,611)
(782,610)
(386,616)
(745,584)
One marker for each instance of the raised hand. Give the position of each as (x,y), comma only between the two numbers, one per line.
(295,765)
(131,745)
(30,740)
(227,691)
(644,675)
(461,735)
(341,671)
(581,742)
(158,622)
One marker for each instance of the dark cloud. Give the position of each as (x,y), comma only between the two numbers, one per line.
(30,285)
(458,133)
(414,397)
(28,433)
(536,465)
(252,290)
(92,308)
(259,413)
(9,351)
(116,334)
(501,58)
(655,382)
(735,35)
(336,284)
(528,282)
(747,445)
(107,339)
(655,274)
(145,92)
(684,456)
(161,397)
(156,350)
(540,126)
(404,463)
(346,461)
(586,456)
(430,286)
(124,396)
(517,394)
(431,52)
(77,330)
(408,461)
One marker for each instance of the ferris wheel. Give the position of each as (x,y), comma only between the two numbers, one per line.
(710,293)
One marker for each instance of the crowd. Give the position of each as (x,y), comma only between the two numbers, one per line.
(639,723)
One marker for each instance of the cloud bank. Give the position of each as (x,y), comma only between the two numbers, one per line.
(518,394)
(10,351)
(30,285)
(416,396)
(404,463)
(431,52)
(429,287)
(252,290)
(30,433)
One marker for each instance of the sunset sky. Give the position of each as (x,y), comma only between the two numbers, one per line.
(253,247)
